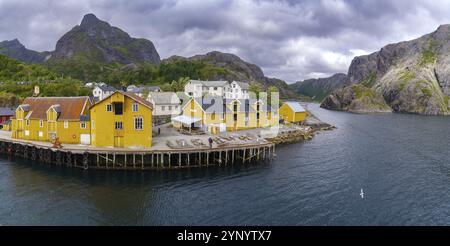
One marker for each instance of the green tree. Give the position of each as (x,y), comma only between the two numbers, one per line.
(178,85)
(254,89)
(271,89)
(145,92)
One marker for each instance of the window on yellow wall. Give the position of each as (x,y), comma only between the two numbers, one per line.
(41,123)
(108,107)
(83,125)
(118,125)
(138,123)
(135,107)
(92,124)
(27,122)
(66,124)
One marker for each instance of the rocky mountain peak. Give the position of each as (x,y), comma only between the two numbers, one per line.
(15,49)
(15,43)
(95,40)
(412,76)
(89,20)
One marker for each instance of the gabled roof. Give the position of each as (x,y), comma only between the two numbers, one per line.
(154,88)
(184,99)
(130,95)
(137,99)
(243,85)
(141,88)
(70,108)
(24,107)
(295,106)
(106,88)
(212,104)
(164,98)
(244,104)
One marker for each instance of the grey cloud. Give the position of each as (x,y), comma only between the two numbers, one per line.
(289,39)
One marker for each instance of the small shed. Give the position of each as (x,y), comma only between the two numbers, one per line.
(292,112)
(5,126)
(6,114)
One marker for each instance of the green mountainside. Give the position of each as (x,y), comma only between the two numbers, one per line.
(318,89)
(97,51)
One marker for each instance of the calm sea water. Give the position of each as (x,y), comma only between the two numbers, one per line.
(400,161)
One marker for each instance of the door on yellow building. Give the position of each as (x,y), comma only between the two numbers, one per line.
(19,128)
(118,142)
(51,126)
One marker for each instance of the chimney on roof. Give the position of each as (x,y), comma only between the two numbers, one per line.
(36,91)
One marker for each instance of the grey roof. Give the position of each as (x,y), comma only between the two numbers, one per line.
(295,106)
(215,104)
(245,105)
(184,99)
(106,88)
(212,104)
(25,107)
(85,118)
(154,88)
(164,98)
(218,83)
(57,108)
(141,88)
(7,111)
(243,85)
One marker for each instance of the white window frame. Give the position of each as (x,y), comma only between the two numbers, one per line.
(41,134)
(41,123)
(83,124)
(118,123)
(135,107)
(108,107)
(66,124)
(142,123)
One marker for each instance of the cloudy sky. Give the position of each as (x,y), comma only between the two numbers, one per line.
(291,40)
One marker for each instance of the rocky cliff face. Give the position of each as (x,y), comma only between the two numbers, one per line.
(16,50)
(356,99)
(412,76)
(97,41)
(318,89)
(238,69)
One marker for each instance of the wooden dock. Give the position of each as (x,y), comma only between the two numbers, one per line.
(121,159)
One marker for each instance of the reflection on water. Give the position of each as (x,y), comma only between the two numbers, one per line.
(401,162)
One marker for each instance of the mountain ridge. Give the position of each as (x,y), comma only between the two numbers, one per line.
(237,69)
(15,49)
(319,88)
(96,51)
(410,76)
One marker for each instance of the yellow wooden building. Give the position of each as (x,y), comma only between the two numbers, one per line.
(48,118)
(215,114)
(292,112)
(123,120)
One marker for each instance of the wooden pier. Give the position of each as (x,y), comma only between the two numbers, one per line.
(112,159)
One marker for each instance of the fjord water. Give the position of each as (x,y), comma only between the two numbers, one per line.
(400,161)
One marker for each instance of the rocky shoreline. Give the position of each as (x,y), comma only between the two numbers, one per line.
(356,99)
(302,132)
